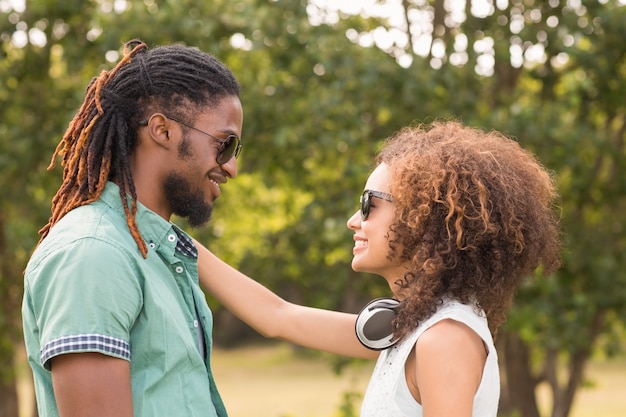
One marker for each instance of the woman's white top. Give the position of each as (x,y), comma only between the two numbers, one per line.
(388,395)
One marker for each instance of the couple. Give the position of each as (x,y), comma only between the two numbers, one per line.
(115,323)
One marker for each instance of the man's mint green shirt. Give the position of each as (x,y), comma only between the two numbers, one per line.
(88,289)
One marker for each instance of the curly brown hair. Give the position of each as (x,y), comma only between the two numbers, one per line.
(475,214)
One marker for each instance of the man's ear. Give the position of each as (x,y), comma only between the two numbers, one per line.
(159,129)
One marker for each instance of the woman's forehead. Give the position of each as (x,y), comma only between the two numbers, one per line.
(379,179)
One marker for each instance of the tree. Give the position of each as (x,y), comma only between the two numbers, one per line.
(567,105)
(321,89)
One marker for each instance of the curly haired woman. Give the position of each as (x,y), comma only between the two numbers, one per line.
(454,218)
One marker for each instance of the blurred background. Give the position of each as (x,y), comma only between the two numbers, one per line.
(324,82)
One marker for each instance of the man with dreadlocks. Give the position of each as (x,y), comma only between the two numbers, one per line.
(114,321)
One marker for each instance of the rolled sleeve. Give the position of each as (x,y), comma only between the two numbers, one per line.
(86,297)
(85,343)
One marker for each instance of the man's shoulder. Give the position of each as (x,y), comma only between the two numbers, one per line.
(90,225)
(91,220)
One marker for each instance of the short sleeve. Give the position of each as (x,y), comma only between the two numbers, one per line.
(85,297)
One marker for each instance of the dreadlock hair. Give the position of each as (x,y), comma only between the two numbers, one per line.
(97,145)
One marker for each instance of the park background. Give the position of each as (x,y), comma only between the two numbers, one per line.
(324,82)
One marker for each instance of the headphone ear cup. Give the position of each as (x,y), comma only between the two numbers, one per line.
(373,324)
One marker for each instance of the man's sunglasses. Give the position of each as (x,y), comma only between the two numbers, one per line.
(366,199)
(229,146)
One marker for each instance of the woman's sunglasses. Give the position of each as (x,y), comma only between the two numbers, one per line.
(366,199)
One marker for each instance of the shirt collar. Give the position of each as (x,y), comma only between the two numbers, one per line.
(153,228)
(185,245)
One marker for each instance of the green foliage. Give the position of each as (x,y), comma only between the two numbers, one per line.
(316,108)
(347,407)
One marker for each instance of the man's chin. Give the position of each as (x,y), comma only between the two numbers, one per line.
(191,206)
(198,220)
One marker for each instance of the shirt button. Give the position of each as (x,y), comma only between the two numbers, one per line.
(152,245)
(179,269)
(195,323)
(171,238)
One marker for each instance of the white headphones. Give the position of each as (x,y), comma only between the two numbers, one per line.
(373,324)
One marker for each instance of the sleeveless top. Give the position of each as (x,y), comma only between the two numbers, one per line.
(388,395)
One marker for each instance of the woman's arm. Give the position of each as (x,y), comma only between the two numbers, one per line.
(273,317)
(447,369)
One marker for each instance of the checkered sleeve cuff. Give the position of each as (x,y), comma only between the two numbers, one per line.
(99,343)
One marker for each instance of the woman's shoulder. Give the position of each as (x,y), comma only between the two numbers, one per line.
(456,320)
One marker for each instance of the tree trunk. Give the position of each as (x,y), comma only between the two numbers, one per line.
(10,326)
(8,399)
(518,387)
(564,394)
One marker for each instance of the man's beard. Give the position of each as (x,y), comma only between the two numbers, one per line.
(186,203)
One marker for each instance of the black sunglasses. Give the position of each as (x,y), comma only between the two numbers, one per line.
(366,198)
(229,146)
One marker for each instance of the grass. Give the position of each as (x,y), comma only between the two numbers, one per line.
(273,381)
(277,381)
